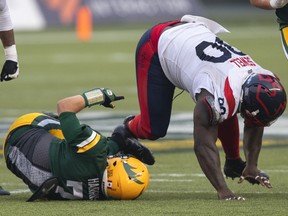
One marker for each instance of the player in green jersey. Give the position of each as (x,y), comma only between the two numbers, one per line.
(281,11)
(59,158)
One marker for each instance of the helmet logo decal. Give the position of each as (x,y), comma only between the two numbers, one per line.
(132,175)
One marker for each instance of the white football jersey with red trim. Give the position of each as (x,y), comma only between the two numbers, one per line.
(194,58)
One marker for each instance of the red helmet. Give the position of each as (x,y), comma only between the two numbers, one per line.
(263,100)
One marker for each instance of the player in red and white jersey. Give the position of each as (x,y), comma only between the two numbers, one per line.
(222,80)
(211,63)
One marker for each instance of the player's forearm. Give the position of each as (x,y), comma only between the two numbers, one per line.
(7,38)
(205,136)
(71,104)
(252,144)
(209,161)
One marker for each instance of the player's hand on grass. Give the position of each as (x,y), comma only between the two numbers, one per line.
(109,97)
(235,198)
(255,176)
(228,195)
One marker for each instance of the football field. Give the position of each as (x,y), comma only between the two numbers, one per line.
(54,64)
(177,187)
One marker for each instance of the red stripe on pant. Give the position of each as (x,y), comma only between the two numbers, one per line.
(140,125)
(155,91)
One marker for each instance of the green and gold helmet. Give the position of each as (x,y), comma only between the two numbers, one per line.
(125,178)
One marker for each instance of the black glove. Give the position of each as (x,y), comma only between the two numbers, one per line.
(10,70)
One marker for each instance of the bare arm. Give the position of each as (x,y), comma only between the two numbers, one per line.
(252,143)
(205,137)
(7,38)
(97,96)
(252,146)
(71,104)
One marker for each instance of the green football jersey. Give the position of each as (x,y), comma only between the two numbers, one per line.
(77,154)
(78,161)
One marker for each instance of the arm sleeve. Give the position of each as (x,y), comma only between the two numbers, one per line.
(82,138)
(5,19)
(70,125)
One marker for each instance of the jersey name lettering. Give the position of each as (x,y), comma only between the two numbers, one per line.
(243,61)
(93,188)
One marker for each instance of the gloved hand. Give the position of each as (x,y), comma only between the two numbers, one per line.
(109,97)
(10,70)
(100,96)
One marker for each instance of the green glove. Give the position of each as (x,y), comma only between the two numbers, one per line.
(109,97)
(102,96)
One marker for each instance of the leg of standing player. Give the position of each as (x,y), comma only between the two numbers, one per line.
(155,93)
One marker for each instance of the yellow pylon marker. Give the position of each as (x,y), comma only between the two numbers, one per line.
(84,24)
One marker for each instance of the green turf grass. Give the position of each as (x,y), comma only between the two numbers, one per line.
(177,187)
(54,65)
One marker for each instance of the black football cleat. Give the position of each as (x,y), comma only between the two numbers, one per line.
(234,168)
(130,145)
(126,122)
(141,152)
(3,192)
(47,187)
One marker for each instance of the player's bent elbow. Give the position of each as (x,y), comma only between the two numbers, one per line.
(61,106)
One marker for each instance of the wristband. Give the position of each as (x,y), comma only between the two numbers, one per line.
(93,97)
(11,53)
